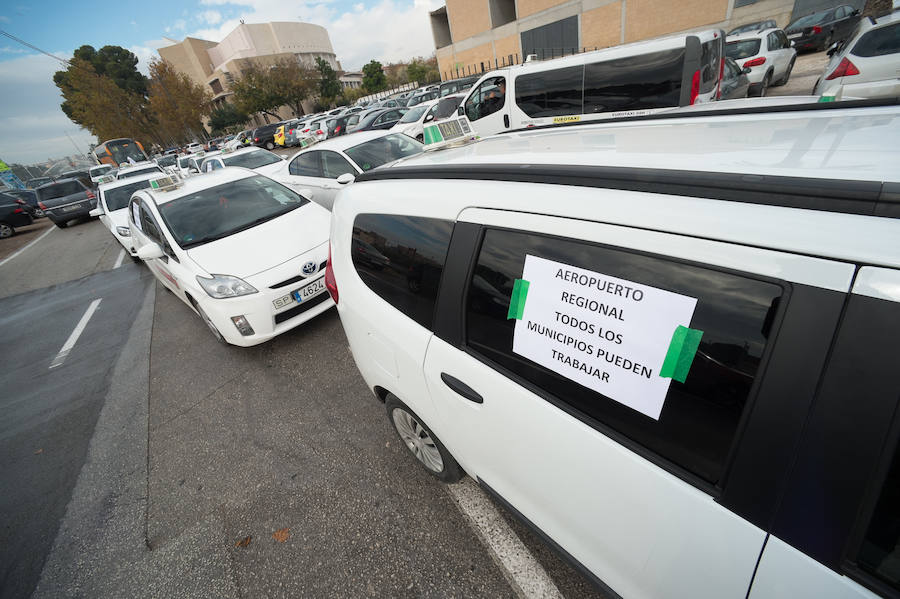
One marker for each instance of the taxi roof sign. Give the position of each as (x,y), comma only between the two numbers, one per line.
(165,183)
(452,132)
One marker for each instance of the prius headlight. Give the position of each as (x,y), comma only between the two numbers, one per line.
(123,231)
(222,286)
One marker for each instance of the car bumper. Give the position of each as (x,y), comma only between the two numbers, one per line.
(808,43)
(888,88)
(61,214)
(258,309)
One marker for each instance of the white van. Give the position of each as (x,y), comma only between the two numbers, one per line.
(629,80)
(683,379)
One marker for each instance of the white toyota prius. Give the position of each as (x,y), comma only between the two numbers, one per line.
(245,252)
(113,204)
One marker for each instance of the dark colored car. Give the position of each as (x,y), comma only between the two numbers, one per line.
(819,30)
(66,199)
(734,81)
(12,215)
(29,196)
(422,97)
(380,119)
(337,126)
(37,182)
(264,137)
(754,26)
(456,85)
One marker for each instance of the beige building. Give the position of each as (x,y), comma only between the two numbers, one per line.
(471,36)
(217,65)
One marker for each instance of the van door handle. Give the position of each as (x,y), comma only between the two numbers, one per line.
(461,388)
(506,121)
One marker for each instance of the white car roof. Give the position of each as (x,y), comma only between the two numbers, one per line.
(855,144)
(748,35)
(194,184)
(129,181)
(244,150)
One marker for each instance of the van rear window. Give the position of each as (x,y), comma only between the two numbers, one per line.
(60,190)
(551,93)
(634,83)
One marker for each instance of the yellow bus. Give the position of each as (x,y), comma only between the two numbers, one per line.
(117,151)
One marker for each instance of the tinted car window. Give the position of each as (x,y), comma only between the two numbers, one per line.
(551,93)
(634,83)
(446,107)
(382,150)
(879,42)
(742,49)
(699,417)
(149,226)
(305,165)
(710,56)
(117,198)
(401,258)
(334,165)
(880,548)
(58,190)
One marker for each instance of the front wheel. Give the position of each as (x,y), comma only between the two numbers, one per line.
(6,231)
(421,442)
(270,145)
(209,323)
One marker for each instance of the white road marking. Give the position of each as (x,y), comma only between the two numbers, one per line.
(119,259)
(523,572)
(73,338)
(25,247)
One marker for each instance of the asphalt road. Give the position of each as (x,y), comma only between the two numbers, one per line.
(50,413)
(155,462)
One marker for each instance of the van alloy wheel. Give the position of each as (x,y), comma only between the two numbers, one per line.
(6,231)
(421,442)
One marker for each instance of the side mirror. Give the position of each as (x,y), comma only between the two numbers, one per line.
(746,70)
(150,252)
(832,49)
(429,118)
(460,111)
(96,212)
(346,178)
(194,169)
(855,12)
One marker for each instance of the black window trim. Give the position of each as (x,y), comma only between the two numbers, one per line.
(870,198)
(453,331)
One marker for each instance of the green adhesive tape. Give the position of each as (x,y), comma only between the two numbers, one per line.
(680,356)
(517,301)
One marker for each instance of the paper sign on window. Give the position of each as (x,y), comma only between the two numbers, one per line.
(623,339)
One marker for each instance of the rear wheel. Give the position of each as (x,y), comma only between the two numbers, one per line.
(764,86)
(62,224)
(787,73)
(270,145)
(421,442)
(6,231)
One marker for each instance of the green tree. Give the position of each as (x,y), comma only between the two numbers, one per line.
(265,88)
(374,79)
(177,104)
(329,86)
(229,115)
(423,70)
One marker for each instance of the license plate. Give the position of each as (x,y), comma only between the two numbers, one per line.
(794,36)
(299,295)
(71,208)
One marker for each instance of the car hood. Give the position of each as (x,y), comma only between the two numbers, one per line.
(265,246)
(271,169)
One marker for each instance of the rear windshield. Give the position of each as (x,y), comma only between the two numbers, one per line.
(879,42)
(809,20)
(32,183)
(251,159)
(226,209)
(742,49)
(59,190)
(446,107)
(117,198)
(382,150)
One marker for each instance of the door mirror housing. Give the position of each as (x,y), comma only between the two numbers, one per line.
(429,118)
(96,212)
(150,251)
(832,49)
(460,111)
(346,178)
(746,70)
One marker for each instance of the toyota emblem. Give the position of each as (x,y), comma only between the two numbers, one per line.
(310,268)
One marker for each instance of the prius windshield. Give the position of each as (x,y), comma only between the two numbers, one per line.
(253,159)
(382,150)
(227,209)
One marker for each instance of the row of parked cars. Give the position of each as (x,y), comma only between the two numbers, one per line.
(541,347)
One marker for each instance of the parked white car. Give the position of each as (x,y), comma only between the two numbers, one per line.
(412,122)
(867,65)
(112,207)
(145,167)
(243,251)
(324,168)
(768,54)
(100,170)
(257,159)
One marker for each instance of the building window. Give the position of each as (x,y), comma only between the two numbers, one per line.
(216,86)
(502,12)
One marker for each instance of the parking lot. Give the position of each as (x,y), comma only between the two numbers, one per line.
(205,470)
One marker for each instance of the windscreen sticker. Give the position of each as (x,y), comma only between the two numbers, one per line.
(610,335)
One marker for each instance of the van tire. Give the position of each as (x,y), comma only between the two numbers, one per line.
(421,442)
